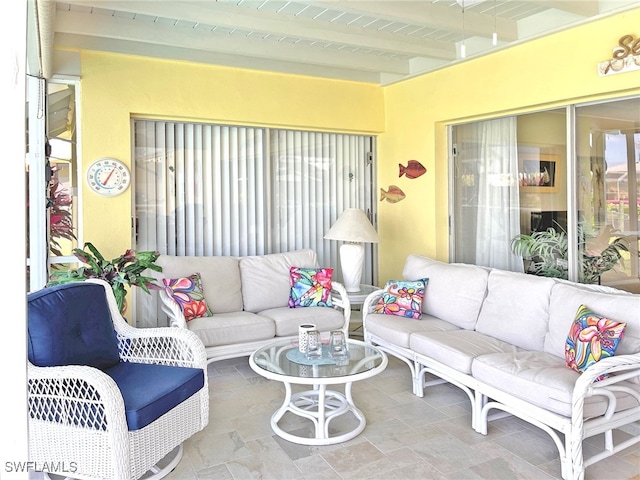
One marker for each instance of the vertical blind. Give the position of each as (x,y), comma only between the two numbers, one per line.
(203,189)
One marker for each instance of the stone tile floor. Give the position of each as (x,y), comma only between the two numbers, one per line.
(406,437)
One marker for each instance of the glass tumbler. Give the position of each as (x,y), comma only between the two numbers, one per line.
(314,345)
(338,346)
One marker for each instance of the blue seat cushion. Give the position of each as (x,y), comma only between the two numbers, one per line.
(71,324)
(150,391)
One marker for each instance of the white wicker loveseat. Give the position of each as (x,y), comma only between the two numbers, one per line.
(500,337)
(107,400)
(248,297)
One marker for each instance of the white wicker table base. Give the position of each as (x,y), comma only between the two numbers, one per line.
(321,406)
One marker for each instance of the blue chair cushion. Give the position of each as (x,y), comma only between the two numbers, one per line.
(71,324)
(149,391)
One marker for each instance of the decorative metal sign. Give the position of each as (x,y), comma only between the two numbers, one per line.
(625,58)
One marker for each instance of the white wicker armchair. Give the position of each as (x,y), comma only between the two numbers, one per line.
(77,420)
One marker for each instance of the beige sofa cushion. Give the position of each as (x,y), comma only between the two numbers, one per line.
(232,328)
(541,379)
(220,278)
(516,309)
(454,292)
(397,330)
(458,348)
(614,304)
(288,319)
(265,278)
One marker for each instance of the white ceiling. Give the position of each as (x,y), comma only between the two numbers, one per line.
(379,41)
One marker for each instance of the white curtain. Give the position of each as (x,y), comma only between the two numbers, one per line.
(206,189)
(487,198)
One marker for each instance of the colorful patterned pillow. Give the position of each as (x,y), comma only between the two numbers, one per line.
(592,337)
(187,293)
(310,287)
(402,298)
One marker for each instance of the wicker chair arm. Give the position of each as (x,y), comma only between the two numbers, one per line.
(162,345)
(77,395)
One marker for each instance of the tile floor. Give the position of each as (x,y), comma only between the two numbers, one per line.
(406,437)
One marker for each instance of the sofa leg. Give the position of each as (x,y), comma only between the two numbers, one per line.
(478,418)
(418,389)
(416,377)
(418,380)
(573,461)
(482,420)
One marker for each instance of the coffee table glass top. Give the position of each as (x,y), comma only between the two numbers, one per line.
(276,358)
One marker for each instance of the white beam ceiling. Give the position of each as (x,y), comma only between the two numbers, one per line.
(377,41)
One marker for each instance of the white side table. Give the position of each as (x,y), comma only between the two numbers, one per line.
(357,298)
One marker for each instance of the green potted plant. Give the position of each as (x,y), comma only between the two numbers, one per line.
(546,253)
(125,270)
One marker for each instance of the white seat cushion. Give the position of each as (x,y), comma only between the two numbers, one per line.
(288,319)
(541,379)
(232,328)
(397,330)
(457,349)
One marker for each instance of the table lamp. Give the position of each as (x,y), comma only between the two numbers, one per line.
(352,227)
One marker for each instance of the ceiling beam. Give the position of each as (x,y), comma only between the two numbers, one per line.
(80,42)
(430,15)
(113,27)
(232,16)
(584,8)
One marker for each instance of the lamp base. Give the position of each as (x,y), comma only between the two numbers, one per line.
(352,261)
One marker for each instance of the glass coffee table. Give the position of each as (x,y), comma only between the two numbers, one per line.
(282,361)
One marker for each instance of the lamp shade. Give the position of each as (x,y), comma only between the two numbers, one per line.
(353,225)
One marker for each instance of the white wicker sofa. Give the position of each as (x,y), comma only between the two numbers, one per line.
(500,337)
(248,297)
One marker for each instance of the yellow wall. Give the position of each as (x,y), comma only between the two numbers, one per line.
(410,116)
(116,87)
(556,70)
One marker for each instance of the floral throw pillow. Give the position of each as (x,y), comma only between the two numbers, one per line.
(310,287)
(592,337)
(402,298)
(187,293)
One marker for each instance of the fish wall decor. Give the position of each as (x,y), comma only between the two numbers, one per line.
(393,194)
(414,169)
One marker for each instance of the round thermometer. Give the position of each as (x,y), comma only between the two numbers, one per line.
(108,177)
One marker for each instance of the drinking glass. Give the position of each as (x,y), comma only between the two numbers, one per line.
(314,345)
(338,346)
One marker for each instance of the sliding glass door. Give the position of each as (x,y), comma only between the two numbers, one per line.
(608,191)
(576,215)
(509,180)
